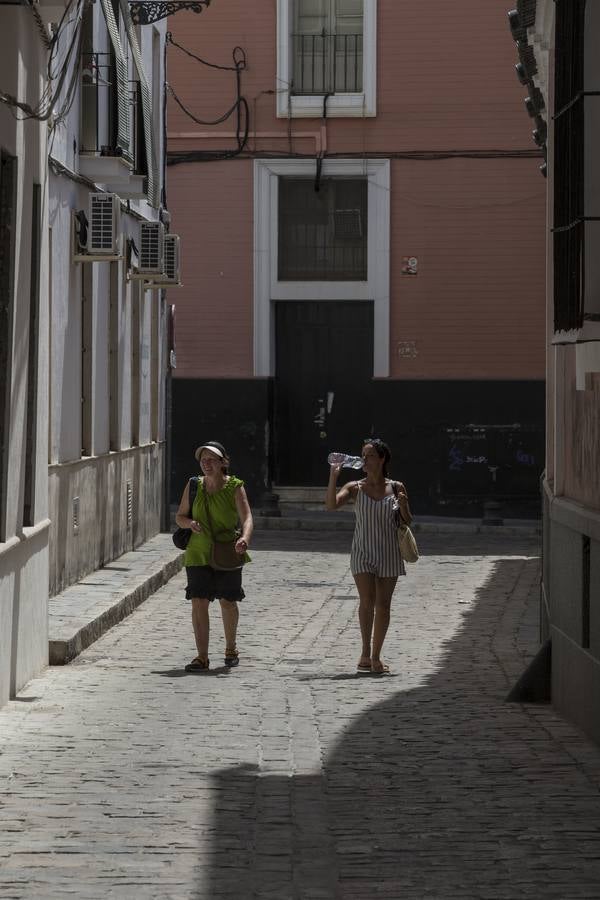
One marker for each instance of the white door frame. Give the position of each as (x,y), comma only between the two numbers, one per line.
(267,287)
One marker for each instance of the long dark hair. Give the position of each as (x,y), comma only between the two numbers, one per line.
(382,450)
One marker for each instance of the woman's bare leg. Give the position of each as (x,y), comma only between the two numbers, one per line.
(201,624)
(384,588)
(365,584)
(231,614)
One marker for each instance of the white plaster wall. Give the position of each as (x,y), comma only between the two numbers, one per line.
(100,480)
(65,326)
(163,361)
(147,299)
(100,359)
(24,551)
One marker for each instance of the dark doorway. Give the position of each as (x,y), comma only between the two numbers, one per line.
(323,395)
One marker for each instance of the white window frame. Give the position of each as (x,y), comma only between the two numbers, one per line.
(267,286)
(340,105)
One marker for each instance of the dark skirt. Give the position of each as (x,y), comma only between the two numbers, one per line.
(210,584)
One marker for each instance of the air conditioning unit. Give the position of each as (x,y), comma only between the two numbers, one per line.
(104,236)
(171,266)
(171,274)
(152,235)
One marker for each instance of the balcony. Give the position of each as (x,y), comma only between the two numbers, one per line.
(327,64)
(108,128)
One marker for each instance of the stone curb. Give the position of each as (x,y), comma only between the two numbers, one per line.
(289,523)
(64,649)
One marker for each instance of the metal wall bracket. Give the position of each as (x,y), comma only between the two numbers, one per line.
(145,12)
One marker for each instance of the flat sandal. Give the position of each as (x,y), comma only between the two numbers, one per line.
(198,665)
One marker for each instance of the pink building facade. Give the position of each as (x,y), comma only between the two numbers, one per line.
(365,246)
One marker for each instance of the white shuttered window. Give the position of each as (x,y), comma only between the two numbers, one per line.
(124,136)
(151,158)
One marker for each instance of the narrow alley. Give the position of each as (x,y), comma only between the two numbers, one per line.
(122,776)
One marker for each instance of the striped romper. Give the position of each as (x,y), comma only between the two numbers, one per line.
(375,543)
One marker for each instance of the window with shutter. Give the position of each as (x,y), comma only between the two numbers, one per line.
(146,100)
(123,129)
(326,48)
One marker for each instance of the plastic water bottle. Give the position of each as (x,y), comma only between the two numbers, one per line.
(345,460)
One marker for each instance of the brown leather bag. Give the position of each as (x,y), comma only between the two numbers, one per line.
(223,555)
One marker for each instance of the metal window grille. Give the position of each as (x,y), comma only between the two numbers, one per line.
(569,222)
(327,63)
(327,47)
(323,234)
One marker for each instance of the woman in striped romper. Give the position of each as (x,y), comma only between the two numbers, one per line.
(375,560)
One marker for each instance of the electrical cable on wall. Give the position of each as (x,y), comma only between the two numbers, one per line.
(185,156)
(239,107)
(67,67)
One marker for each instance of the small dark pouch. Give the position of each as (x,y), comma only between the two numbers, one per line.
(181,536)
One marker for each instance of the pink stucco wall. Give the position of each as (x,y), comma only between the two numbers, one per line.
(446,82)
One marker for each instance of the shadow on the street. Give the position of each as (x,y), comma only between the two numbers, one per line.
(443,790)
(430,544)
(200,673)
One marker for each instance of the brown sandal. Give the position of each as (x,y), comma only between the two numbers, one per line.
(232,658)
(198,665)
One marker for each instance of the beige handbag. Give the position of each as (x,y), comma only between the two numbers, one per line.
(406,539)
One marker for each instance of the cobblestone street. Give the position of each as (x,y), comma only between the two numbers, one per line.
(122,776)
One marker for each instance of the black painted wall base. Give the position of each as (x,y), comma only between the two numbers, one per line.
(236,412)
(458,445)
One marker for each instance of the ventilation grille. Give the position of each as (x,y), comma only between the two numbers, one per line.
(75,515)
(151,247)
(129,503)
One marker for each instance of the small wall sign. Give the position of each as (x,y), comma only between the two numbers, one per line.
(410,265)
(407,349)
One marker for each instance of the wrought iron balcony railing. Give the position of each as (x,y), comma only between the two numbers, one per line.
(327,63)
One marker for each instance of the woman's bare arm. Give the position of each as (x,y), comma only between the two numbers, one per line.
(182,517)
(334,498)
(402,498)
(246,520)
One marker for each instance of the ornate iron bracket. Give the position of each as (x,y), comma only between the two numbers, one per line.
(145,12)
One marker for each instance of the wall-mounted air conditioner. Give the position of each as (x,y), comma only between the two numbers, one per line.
(171,274)
(97,234)
(150,256)
(152,235)
(104,236)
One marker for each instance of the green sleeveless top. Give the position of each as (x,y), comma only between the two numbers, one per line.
(224,519)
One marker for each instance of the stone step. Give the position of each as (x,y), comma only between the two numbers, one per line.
(300,497)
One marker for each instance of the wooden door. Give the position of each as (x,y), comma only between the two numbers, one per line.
(324,372)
